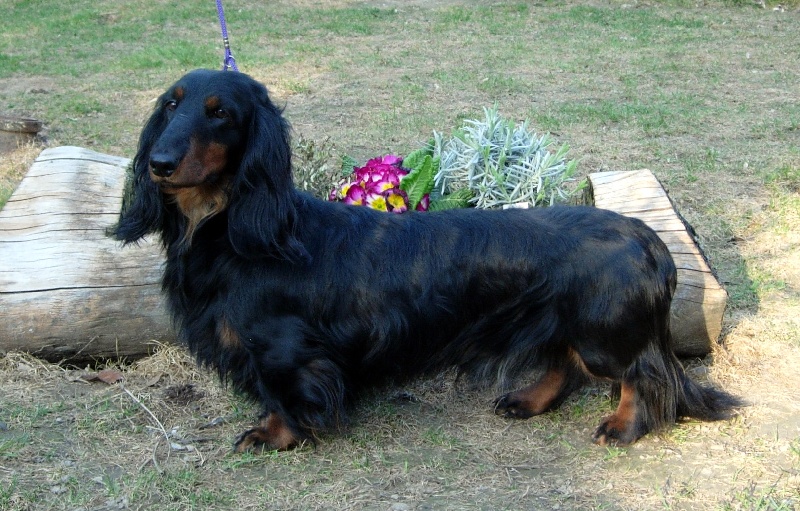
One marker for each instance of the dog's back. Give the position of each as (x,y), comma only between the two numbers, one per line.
(488,291)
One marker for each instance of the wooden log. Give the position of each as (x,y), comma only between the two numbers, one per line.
(16,131)
(67,291)
(700,300)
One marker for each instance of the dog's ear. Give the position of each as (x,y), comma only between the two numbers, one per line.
(262,214)
(142,207)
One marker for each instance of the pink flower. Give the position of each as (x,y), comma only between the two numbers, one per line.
(375,172)
(377,185)
(355,196)
(388,159)
(424,203)
(396,200)
(382,185)
(362,175)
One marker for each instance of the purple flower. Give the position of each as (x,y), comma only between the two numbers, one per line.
(377,185)
(389,159)
(356,196)
(424,203)
(396,200)
(382,185)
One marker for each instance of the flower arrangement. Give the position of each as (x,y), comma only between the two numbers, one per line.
(485,163)
(380,185)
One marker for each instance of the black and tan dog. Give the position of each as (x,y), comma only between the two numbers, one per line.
(302,303)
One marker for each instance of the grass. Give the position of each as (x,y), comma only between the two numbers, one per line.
(11,447)
(702,95)
(756,499)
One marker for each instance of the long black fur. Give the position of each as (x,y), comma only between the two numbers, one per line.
(301,303)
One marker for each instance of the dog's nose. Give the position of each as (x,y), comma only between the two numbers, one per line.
(163,165)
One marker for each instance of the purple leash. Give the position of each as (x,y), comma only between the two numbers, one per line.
(228,62)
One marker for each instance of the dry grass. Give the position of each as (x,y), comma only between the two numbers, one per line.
(14,165)
(162,437)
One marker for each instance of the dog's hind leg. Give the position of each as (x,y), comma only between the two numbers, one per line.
(645,377)
(625,425)
(654,393)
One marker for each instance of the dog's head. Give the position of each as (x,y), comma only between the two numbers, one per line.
(215,143)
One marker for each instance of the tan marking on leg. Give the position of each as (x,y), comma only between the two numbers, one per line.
(617,429)
(281,436)
(533,399)
(576,359)
(271,432)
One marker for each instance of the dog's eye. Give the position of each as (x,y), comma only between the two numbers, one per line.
(220,113)
(170,105)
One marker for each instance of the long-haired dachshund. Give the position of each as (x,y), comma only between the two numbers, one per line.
(302,303)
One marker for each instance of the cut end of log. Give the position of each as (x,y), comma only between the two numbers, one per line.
(17,131)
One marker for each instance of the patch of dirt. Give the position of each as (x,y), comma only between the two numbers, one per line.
(29,85)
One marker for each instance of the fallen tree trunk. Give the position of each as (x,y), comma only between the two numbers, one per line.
(69,292)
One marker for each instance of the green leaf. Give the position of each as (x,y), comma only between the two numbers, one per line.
(348,164)
(415,159)
(457,199)
(419,181)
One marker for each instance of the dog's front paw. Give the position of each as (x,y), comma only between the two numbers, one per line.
(512,407)
(271,434)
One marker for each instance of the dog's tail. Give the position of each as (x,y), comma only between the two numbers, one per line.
(666,393)
(703,402)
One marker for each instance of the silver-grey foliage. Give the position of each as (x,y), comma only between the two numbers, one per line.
(503,163)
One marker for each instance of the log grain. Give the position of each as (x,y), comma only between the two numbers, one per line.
(67,290)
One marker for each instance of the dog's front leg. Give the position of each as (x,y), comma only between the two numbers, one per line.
(292,374)
(272,433)
(300,405)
